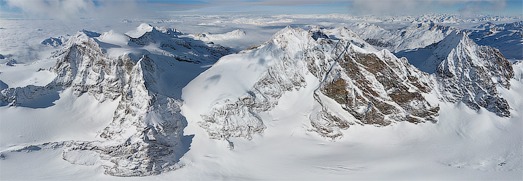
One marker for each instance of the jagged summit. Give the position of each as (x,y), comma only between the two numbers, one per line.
(140,30)
(470,73)
(429,58)
(466,71)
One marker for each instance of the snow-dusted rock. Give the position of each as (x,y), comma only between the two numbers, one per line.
(84,67)
(470,73)
(467,72)
(54,42)
(61,40)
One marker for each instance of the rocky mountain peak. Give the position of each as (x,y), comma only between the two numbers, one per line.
(466,71)
(471,73)
(354,83)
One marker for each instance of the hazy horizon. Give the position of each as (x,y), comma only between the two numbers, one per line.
(73,9)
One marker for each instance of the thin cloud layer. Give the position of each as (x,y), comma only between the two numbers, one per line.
(471,8)
(384,7)
(73,9)
(395,7)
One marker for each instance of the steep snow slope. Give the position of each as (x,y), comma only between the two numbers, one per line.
(463,145)
(36,73)
(71,118)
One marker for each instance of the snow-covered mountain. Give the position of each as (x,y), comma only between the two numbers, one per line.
(466,72)
(507,37)
(416,35)
(352,83)
(210,37)
(167,100)
(145,75)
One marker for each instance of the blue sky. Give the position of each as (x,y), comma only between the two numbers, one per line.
(356,7)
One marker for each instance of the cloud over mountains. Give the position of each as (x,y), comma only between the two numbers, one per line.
(73,9)
(70,9)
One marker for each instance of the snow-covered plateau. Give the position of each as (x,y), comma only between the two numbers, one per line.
(282,97)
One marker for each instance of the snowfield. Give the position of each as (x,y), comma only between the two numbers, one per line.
(464,144)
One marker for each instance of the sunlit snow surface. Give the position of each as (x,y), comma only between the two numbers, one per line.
(463,145)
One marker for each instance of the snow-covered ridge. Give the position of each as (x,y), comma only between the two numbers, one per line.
(438,18)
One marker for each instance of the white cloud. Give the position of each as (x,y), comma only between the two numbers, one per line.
(384,7)
(472,8)
(72,9)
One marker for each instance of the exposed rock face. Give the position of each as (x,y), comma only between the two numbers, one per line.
(372,88)
(381,89)
(145,136)
(375,88)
